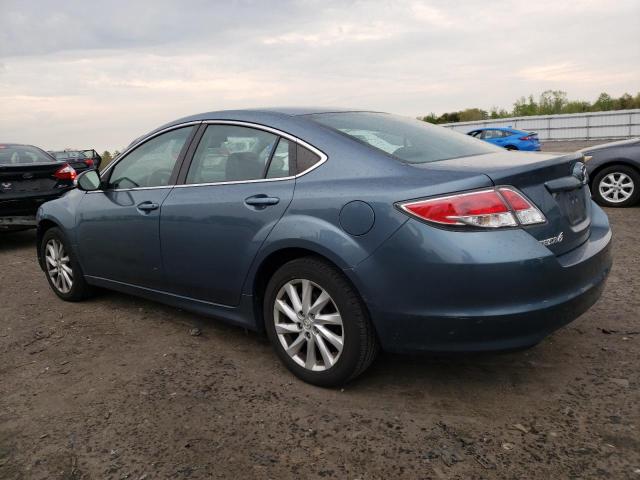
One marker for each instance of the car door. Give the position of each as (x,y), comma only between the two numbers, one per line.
(118,226)
(238,185)
(493,136)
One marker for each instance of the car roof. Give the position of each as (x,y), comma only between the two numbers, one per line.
(278,117)
(508,129)
(284,111)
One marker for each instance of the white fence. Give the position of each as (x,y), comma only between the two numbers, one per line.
(574,126)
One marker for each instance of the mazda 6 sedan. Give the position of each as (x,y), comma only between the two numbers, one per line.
(338,233)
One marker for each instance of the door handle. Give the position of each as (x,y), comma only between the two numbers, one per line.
(148,206)
(261,201)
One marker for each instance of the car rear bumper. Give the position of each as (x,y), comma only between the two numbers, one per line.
(529,147)
(429,289)
(15,209)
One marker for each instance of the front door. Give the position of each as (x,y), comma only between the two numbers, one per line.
(236,189)
(118,227)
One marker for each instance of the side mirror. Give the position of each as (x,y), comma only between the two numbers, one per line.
(88,181)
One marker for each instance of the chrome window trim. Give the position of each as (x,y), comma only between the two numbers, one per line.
(144,140)
(257,126)
(275,131)
(132,189)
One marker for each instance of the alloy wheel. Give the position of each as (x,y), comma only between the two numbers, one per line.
(58,266)
(308,325)
(616,187)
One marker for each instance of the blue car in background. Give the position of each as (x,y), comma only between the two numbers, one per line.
(508,138)
(338,233)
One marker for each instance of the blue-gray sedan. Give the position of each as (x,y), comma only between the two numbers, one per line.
(338,233)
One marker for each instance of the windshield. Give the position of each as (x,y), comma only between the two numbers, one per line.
(22,155)
(409,140)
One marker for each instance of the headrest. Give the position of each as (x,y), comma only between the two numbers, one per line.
(243,166)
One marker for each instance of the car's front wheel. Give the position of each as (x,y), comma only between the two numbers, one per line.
(61,267)
(617,186)
(317,323)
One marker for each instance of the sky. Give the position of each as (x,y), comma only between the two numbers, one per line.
(82,74)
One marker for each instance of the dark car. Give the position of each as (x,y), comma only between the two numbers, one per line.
(338,233)
(614,171)
(29,177)
(508,138)
(89,158)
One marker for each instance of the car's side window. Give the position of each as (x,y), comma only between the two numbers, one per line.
(282,159)
(229,153)
(487,134)
(506,133)
(152,163)
(305,159)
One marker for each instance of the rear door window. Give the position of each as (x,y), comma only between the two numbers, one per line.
(229,153)
(283,156)
(305,159)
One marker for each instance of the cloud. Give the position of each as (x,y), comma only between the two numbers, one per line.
(101,73)
(333,34)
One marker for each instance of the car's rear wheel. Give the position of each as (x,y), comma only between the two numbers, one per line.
(511,147)
(317,323)
(617,186)
(61,267)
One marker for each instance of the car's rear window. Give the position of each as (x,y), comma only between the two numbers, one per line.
(22,155)
(409,140)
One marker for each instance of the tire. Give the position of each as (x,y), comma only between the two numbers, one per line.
(511,147)
(619,181)
(331,366)
(54,263)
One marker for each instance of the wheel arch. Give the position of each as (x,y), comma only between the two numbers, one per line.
(274,260)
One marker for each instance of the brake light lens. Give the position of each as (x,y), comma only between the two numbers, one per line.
(491,208)
(66,172)
(89,162)
(526,212)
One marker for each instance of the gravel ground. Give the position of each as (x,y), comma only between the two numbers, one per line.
(119,388)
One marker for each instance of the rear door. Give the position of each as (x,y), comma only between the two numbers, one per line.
(118,227)
(493,136)
(238,185)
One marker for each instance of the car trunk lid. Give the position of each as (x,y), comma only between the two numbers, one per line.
(17,181)
(553,182)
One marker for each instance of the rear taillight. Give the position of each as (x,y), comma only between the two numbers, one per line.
(491,208)
(65,172)
(527,138)
(526,212)
(89,162)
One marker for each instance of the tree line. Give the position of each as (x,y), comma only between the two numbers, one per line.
(550,102)
(107,156)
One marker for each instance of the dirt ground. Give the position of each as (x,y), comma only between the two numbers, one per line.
(117,388)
